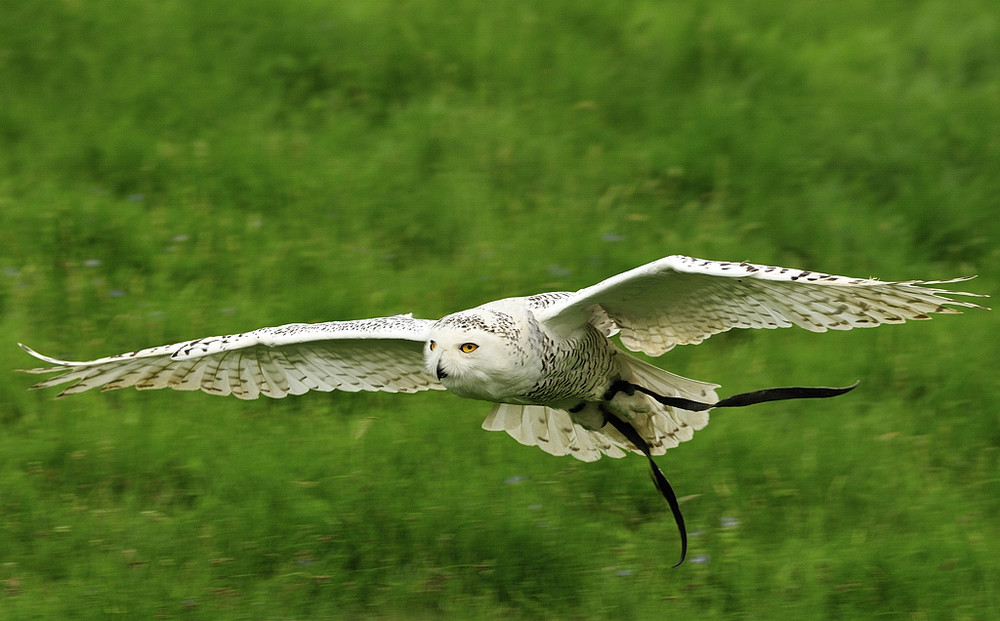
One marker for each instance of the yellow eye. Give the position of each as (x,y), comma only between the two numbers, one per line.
(433,345)
(468,348)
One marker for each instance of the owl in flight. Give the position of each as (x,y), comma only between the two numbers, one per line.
(546,361)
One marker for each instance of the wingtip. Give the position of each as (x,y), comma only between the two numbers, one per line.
(42,357)
(35,353)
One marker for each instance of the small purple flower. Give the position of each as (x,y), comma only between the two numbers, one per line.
(612,237)
(116,293)
(558,271)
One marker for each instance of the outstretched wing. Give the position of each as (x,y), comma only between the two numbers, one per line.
(680,300)
(385,353)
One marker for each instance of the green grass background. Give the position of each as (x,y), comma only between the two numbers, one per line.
(180,168)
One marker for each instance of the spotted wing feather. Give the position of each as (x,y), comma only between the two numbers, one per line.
(381,354)
(680,300)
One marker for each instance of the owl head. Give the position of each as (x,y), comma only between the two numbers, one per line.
(478,354)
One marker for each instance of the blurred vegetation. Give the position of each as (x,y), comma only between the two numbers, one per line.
(170,170)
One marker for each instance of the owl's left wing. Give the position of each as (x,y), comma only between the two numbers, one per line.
(681,300)
(380,354)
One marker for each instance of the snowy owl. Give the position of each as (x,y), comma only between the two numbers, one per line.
(546,361)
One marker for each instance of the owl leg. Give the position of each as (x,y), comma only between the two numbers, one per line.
(735,401)
(659,480)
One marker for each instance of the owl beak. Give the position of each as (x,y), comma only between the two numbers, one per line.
(440,371)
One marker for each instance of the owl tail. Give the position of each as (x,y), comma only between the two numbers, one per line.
(662,425)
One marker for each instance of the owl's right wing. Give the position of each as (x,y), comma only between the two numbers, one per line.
(380,354)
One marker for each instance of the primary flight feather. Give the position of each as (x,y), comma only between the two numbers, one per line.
(547,361)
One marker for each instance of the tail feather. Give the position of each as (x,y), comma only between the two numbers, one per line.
(662,427)
(561,436)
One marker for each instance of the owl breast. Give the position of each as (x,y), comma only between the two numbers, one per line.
(572,370)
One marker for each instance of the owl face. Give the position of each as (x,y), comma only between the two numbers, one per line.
(475,354)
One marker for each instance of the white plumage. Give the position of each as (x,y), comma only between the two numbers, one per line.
(546,360)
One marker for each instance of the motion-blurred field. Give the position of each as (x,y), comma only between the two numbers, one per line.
(171,170)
